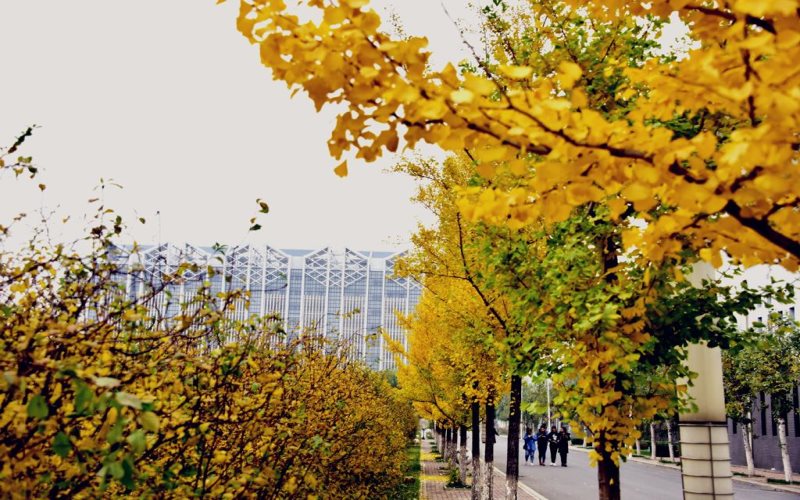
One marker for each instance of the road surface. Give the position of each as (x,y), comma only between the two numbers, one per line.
(578,481)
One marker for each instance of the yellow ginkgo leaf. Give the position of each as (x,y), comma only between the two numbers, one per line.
(462,96)
(479,85)
(568,74)
(761,8)
(485,170)
(341,170)
(636,192)
(516,72)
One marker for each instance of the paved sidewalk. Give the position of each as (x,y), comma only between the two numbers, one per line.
(740,471)
(433,479)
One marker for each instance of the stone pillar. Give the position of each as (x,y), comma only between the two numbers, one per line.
(705,454)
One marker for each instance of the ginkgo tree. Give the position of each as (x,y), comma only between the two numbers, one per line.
(727,183)
(441,371)
(469,333)
(676,156)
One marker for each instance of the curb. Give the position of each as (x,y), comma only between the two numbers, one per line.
(527,489)
(741,479)
(772,486)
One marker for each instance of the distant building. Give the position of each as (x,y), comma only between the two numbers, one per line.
(342,294)
(766,453)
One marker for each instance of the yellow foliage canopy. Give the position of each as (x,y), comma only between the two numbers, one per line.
(737,193)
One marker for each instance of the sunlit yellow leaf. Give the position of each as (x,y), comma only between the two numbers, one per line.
(479,85)
(568,74)
(485,170)
(516,72)
(462,96)
(637,191)
(341,170)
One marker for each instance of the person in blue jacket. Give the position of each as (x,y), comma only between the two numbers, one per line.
(529,446)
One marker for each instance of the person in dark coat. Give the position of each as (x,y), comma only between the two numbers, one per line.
(552,438)
(541,442)
(563,445)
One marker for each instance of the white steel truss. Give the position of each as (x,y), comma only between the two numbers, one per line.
(341,294)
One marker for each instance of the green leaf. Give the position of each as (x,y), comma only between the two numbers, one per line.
(127,476)
(137,441)
(37,407)
(149,421)
(255,227)
(115,434)
(115,470)
(62,445)
(83,397)
(128,399)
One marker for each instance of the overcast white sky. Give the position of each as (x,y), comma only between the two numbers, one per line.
(166,98)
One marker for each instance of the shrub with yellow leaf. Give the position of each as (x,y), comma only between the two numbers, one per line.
(103,396)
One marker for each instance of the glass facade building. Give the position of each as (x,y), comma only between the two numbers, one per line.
(342,294)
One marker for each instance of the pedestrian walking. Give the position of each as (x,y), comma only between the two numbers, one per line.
(529,446)
(552,439)
(541,442)
(563,445)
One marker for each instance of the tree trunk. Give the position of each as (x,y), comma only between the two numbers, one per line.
(488,452)
(638,447)
(445,451)
(512,457)
(787,464)
(747,439)
(669,442)
(607,472)
(448,447)
(443,442)
(462,454)
(454,445)
(476,451)
(441,439)
(653,453)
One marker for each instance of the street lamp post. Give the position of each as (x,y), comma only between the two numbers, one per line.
(547,387)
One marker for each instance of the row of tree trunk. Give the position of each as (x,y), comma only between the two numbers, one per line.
(452,442)
(747,440)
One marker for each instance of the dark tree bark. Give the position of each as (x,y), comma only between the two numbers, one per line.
(447,439)
(607,470)
(512,458)
(488,451)
(453,444)
(476,450)
(607,473)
